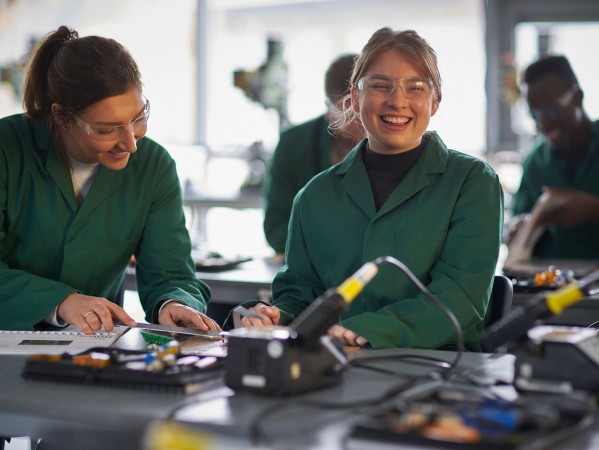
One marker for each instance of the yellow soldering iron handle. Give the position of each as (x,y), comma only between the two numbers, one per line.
(563,298)
(568,295)
(172,436)
(351,287)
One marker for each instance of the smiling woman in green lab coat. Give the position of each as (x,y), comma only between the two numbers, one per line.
(401,192)
(82,189)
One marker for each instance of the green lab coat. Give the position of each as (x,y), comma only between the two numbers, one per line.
(50,248)
(443,222)
(303,151)
(542,167)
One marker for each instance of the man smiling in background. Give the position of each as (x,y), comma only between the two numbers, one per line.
(559,190)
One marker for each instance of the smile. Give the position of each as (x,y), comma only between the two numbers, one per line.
(396,120)
(119,154)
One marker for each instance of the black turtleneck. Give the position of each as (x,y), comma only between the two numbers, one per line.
(385,172)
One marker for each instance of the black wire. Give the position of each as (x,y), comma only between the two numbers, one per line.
(423,360)
(258,436)
(450,315)
(255,431)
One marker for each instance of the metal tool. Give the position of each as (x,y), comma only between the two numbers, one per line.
(210,334)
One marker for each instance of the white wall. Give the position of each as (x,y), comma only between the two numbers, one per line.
(161,35)
(314,33)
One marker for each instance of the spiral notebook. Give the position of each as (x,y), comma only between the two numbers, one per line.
(69,340)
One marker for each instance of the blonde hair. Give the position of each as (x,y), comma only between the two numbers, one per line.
(407,42)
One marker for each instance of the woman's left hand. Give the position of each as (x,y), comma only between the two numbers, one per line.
(347,337)
(178,314)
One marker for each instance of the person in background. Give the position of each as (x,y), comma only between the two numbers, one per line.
(82,189)
(402,193)
(559,189)
(305,150)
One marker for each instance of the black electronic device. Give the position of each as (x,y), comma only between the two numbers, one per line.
(558,359)
(550,358)
(514,326)
(273,361)
(289,360)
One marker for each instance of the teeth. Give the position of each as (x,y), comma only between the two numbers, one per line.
(397,120)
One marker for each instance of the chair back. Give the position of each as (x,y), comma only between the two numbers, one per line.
(500,303)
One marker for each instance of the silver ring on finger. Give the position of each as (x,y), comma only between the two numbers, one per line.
(87,314)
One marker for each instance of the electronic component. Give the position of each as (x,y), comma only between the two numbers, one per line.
(558,359)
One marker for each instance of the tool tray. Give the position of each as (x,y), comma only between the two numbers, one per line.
(187,374)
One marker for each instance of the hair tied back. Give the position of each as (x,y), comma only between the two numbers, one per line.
(71,35)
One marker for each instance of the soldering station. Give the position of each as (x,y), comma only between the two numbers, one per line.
(551,358)
(289,360)
(556,370)
(550,361)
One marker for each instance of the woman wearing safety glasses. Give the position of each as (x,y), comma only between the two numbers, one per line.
(400,192)
(82,189)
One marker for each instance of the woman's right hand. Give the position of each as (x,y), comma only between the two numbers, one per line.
(91,313)
(270,316)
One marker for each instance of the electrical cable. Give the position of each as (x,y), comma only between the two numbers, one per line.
(404,390)
(258,436)
(450,315)
(415,359)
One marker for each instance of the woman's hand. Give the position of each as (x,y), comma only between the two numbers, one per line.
(178,314)
(90,314)
(347,337)
(271,315)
